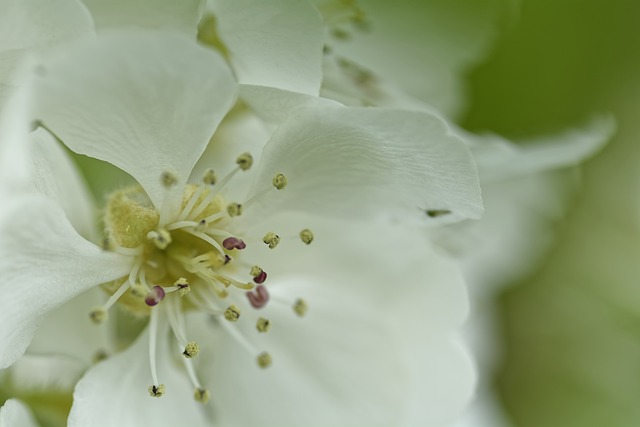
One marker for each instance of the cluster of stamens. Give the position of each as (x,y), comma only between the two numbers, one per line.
(189,263)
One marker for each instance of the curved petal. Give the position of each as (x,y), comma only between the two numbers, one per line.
(369,163)
(43,263)
(114,393)
(274,43)
(127,98)
(14,413)
(153,14)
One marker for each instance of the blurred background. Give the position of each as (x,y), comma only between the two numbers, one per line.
(570,328)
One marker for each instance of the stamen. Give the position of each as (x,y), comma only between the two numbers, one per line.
(192,201)
(232,313)
(181,224)
(191,350)
(99,315)
(210,240)
(306,236)
(259,275)
(154,297)
(201,395)
(263,325)
(244,161)
(271,239)
(155,390)
(435,213)
(279,181)
(300,307)
(233,243)
(161,238)
(260,298)
(209,177)
(183,286)
(264,360)
(138,290)
(125,251)
(169,179)
(99,356)
(234,209)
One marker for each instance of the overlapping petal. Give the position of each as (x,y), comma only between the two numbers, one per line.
(43,263)
(369,163)
(129,99)
(14,413)
(276,43)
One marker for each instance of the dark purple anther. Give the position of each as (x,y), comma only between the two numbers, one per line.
(259,297)
(260,278)
(233,243)
(155,296)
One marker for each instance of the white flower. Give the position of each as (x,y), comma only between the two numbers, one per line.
(377,341)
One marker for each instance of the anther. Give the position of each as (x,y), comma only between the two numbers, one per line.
(168,179)
(209,177)
(201,395)
(279,181)
(154,296)
(232,313)
(435,213)
(233,243)
(264,360)
(244,160)
(258,274)
(99,356)
(161,238)
(306,236)
(300,307)
(263,325)
(191,350)
(234,209)
(183,286)
(138,290)
(271,239)
(99,315)
(259,297)
(157,390)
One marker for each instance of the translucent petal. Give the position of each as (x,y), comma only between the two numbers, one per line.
(276,43)
(369,164)
(14,413)
(128,99)
(43,263)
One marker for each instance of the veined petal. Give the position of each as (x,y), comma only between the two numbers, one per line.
(274,43)
(127,98)
(14,413)
(114,393)
(43,263)
(153,14)
(369,163)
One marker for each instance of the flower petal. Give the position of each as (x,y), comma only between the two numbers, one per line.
(164,14)
(14,413)
(274,43)
(369,163)
(114,392)
(43,263)
(127,98)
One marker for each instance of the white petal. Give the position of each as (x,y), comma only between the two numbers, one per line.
(164,14)
(369,163)
(43,263)
(129,99)
(499,159)
(35,24)
(274,43)
(14,413)
(35,374)
(56,176)
(114,393)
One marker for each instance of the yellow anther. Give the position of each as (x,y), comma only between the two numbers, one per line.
(264,360)
(234,209)
(169,179)
(99,315)
(300,307)
(201,395)
(255,271)
(161,238)
(191,350)
(156,390)
(183,286)
(209,177)
(271,239)
(232,313)
(138,290)
(306,236)
(263,325)
(244,160)
(279,181)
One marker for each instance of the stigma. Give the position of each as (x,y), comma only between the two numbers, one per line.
(195,261)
